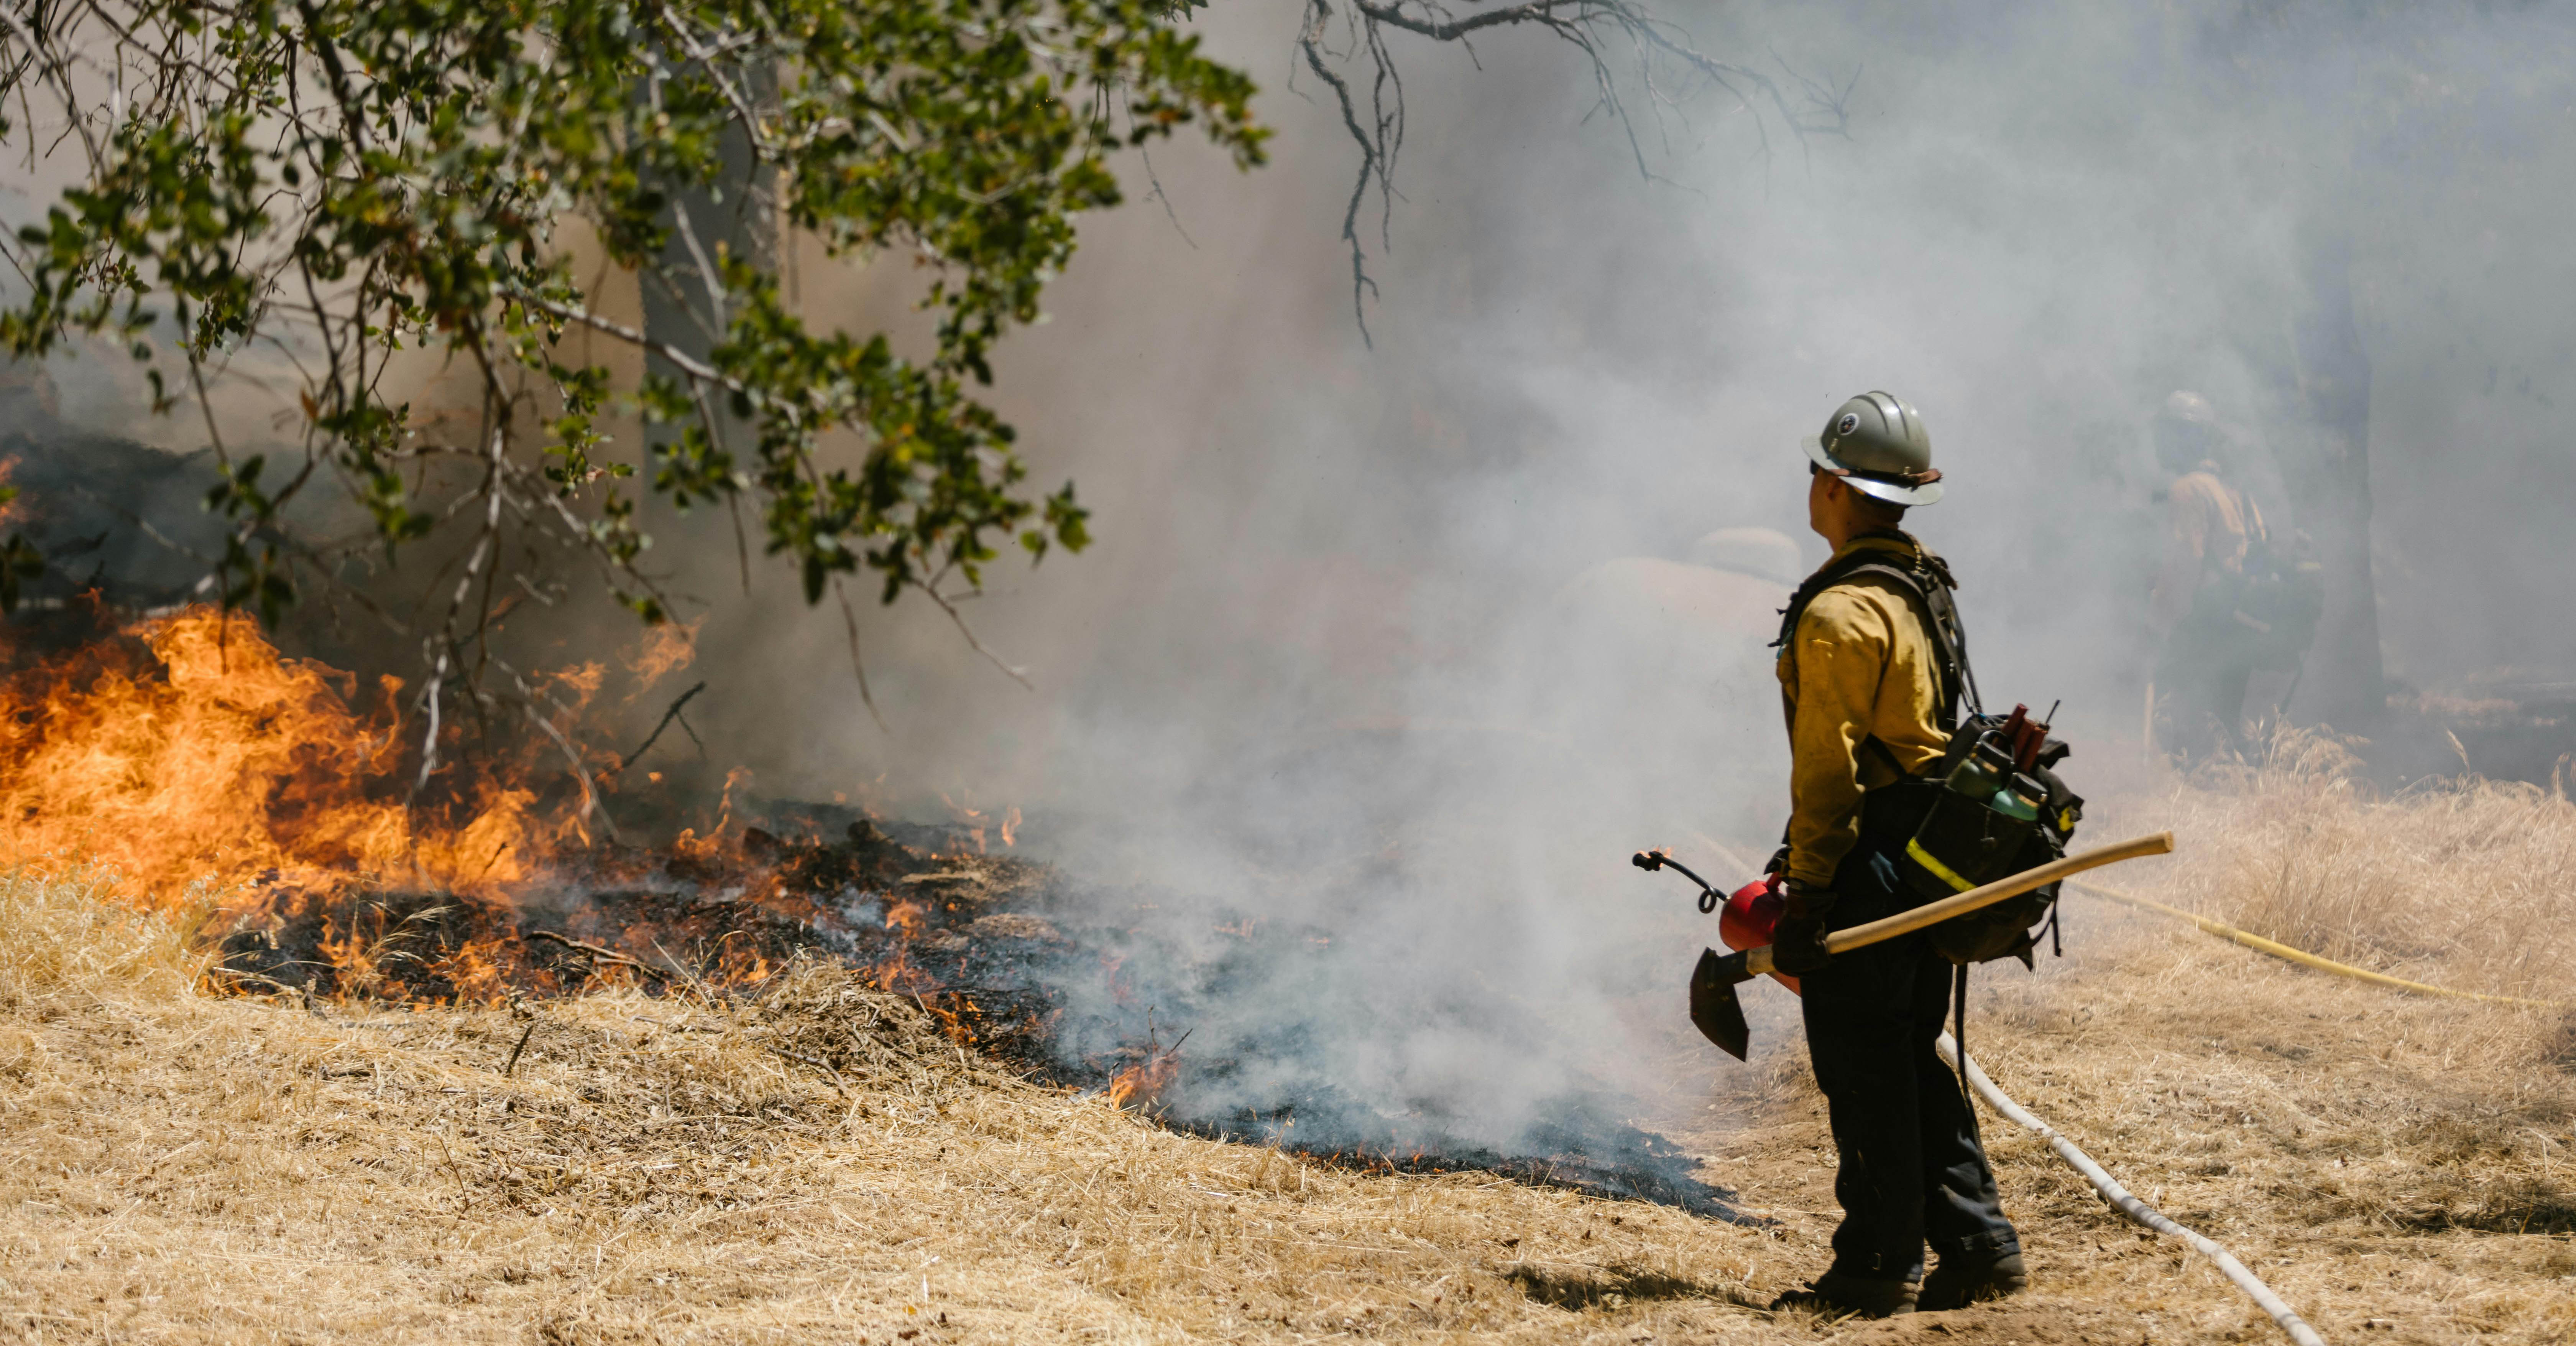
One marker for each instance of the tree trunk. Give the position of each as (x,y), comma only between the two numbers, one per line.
(736,218)
(2325,468)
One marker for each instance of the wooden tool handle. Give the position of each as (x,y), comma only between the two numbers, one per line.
(1758,961)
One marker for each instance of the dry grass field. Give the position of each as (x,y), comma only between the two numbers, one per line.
(818,1164)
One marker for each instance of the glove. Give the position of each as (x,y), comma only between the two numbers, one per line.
(1798,942)
(1779,862)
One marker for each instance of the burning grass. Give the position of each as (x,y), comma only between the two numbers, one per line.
(337,859)
(822,1160)
(760,1087)
(818,1162)
(185,749)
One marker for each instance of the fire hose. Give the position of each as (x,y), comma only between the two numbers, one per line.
(2301,956)
(2129,1205)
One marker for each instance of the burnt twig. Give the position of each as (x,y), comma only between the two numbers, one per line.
(522,1046)
(302,993)
(597,954)
(650,739)
(590,800)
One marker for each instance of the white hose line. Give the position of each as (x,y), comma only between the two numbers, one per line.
(2129,1205)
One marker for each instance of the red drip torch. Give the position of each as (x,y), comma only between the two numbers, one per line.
(1745,918)
(1754,911)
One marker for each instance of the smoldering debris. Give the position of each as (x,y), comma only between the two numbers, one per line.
(1005,954)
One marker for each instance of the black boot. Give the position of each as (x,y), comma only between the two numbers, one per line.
(1839,1296)
(1969,1278)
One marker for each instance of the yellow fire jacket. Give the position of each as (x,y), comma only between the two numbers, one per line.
(1859,666)
(2208,530)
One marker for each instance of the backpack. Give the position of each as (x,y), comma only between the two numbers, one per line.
(2268,609)
(1941,841)
(1957,844)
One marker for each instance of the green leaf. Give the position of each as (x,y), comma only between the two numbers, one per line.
(410,166)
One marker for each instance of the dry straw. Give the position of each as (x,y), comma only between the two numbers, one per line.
(2461,883)
(816,1164)
(819,1164)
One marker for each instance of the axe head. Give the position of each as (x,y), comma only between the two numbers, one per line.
(1713,1007)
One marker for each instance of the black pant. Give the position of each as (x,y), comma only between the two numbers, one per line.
(2201,678)
(1913,1170)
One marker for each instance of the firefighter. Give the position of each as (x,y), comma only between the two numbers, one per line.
(2207,651)
(1870,700)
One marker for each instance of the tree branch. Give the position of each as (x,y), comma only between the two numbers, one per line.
(1581,24)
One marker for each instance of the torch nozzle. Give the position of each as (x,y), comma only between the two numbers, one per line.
(1650,861)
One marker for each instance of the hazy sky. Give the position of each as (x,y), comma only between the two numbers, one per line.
(2041,222)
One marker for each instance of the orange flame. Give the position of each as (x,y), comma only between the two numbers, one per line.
(663,650)
(1145,1081)
(217,760)
(185,754)
(968,816)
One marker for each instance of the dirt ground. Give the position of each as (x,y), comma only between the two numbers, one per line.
(822,1166)
(2397,1168)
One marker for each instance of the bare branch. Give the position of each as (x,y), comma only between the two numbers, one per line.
(1371,157)
(656,736)
(858,666)
(686,363)
(1584,25)
(591,803)
(1018,675)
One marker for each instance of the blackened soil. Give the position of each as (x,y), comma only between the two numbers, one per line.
(993,945)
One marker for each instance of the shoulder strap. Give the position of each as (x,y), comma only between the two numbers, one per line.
(1928,582)
(1930,588)
(2258,534)
(1833,573)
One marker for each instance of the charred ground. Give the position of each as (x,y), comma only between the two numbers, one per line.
(987,944)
